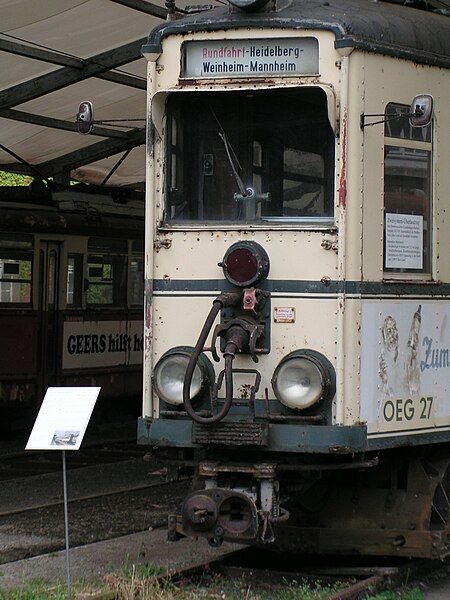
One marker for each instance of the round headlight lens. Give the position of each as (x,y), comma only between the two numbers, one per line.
(301,380)
(169,378)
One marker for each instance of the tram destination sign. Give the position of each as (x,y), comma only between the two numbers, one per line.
(251,58)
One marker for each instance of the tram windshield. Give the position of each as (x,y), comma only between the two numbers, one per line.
(250,156)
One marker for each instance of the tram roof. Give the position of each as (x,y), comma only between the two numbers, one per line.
(386,28)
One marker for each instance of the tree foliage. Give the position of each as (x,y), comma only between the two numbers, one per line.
(13,179)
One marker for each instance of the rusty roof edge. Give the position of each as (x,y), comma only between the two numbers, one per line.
(182,26)
(422,56)
(341,25)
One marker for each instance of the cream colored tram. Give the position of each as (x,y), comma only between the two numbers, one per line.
(297,325)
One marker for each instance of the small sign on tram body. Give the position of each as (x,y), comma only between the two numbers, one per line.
(251,58)
(63,418)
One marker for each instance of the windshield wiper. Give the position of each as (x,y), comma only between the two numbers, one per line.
(230,154)
(240,183)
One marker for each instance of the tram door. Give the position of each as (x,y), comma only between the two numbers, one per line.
(49,263)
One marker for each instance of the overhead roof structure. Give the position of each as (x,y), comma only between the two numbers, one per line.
(53,55)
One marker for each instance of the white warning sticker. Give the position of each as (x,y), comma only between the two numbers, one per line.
(283,314)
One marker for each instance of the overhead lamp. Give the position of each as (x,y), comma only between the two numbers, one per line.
(248,5)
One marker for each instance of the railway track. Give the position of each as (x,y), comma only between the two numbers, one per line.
(28,463)
(53,503)
(349,581)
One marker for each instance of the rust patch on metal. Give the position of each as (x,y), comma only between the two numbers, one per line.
(148,316)
(343,175)
(244,390)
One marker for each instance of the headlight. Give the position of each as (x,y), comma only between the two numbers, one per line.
(303,379)
(169,375)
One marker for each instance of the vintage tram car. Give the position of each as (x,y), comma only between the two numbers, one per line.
(297,318)
(71,295)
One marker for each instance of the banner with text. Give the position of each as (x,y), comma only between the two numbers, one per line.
(89,344)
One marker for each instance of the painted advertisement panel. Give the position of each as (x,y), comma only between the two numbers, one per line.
(405,365)
(89,344)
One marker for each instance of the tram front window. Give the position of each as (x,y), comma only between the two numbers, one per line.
(250,156)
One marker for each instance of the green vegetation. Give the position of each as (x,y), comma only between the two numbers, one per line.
(13,179)
(146,582)
(39,590)
(136,584)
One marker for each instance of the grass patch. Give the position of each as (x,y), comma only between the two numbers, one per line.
(142,572)
(43,590)
(147,582)
(137,585)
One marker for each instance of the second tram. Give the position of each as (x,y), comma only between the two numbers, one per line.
(71,293)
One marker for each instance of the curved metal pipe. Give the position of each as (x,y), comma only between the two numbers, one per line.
(218,304)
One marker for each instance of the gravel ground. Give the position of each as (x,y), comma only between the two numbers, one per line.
(34,532)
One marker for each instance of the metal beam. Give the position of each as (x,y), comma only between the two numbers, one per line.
(124,79)
(25,117)
(92,153)
(146,7)
(56,58)
(48,56)
(17,168)
(60,78)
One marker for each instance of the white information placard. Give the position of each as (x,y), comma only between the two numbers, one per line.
(404,241)
(63,418)
(250,58)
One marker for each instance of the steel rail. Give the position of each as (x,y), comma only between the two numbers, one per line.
(117,491)
(374,579)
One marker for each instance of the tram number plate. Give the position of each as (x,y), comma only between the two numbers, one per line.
(408,409)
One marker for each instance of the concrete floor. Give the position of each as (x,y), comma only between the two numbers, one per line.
(439,592)
(91,561)
(439,588)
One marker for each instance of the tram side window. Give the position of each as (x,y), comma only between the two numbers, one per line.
(16,260)
(74,282)
(107,272)
(407,194)
(137,273)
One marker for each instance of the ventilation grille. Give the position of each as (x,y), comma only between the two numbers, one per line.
(238,433)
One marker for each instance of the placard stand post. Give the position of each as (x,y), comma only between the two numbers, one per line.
(66,526)
(60,425)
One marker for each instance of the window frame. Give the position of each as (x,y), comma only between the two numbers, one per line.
(297,223)
(390,273)
(18,254)
(111,254)
(78,287)
(136,253)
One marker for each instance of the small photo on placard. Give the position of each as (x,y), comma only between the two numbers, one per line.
(65,438)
